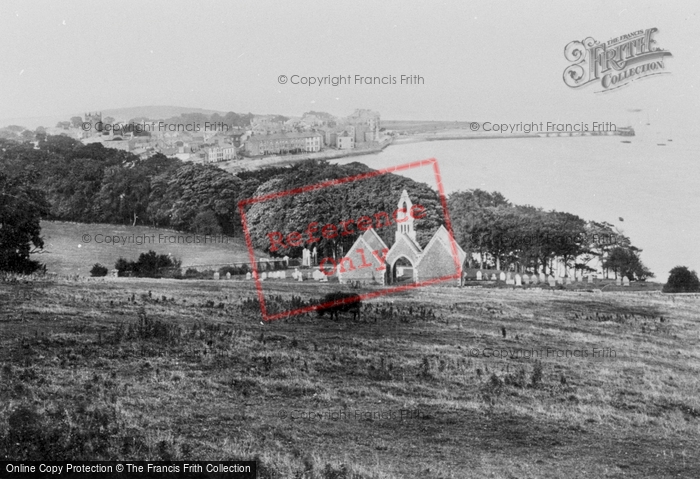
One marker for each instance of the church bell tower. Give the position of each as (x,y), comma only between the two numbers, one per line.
(404,220)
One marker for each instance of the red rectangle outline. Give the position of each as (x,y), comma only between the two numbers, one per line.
(416,164)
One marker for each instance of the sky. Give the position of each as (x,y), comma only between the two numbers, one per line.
(479,60)
(486,61)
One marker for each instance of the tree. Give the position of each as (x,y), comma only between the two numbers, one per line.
(176,198)
(40,133)
(625,262)
(334,204)
(98,270)
(22,206)
(682,280)
(28,135)
(149,265)
(205,223)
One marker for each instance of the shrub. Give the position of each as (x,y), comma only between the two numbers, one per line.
(682,280)
(98,270)
(150,265)
(537,374)
(234,270)
(192,273)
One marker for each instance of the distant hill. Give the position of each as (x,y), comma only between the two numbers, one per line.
(159,112)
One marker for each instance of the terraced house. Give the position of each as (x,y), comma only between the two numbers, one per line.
(284,143)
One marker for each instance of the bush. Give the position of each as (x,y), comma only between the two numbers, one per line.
(98,270)
(682,280)
(537,374)
(150,265)
(234,270)
(192,273)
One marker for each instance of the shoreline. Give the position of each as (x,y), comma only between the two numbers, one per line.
(257,163)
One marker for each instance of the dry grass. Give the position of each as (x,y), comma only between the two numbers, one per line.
(189,372)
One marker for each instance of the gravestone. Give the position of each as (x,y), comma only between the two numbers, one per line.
(306,257)
(493,276)
(300,277)
(510,281)
(318,275)
(248,276)
(479,275)
(228,275)
(264,276)
(589,279)
(552,281)
(526,279)
(518,280)
(216,275)
(625,281)
(543,277)
(283,275)
(568,280)
(502,276)
(535,279)
(286,261)
(618,281)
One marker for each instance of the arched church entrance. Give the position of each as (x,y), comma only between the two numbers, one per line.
(402,271)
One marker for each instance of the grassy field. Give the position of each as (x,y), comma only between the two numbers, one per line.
(438,383)
(67,252)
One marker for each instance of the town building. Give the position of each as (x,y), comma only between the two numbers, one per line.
(215,154)
(283,143)
(366,123)
(344,141)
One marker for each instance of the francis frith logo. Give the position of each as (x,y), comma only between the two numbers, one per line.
(615,63)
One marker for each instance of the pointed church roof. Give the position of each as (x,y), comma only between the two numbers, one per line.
(413,244)
(443,238)
(373,240)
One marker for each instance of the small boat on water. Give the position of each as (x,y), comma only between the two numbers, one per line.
(626,141)
(661,144)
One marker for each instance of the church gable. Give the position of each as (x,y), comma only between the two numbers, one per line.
(443,237)
(437,262)
(404,246)
(373,240)
(363,262)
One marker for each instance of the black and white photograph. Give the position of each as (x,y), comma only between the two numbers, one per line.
(350,240)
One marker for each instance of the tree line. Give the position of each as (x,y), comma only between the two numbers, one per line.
(62,179)
(525,238)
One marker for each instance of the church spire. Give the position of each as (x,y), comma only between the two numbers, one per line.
(404,219)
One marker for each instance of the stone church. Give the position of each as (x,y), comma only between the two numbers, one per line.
(370,260)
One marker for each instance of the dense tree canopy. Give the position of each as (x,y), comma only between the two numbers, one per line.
(503,234)
(22,206)
(682,280)
(91,183)
(334,204)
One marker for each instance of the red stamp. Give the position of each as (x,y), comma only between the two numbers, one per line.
(401,266)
